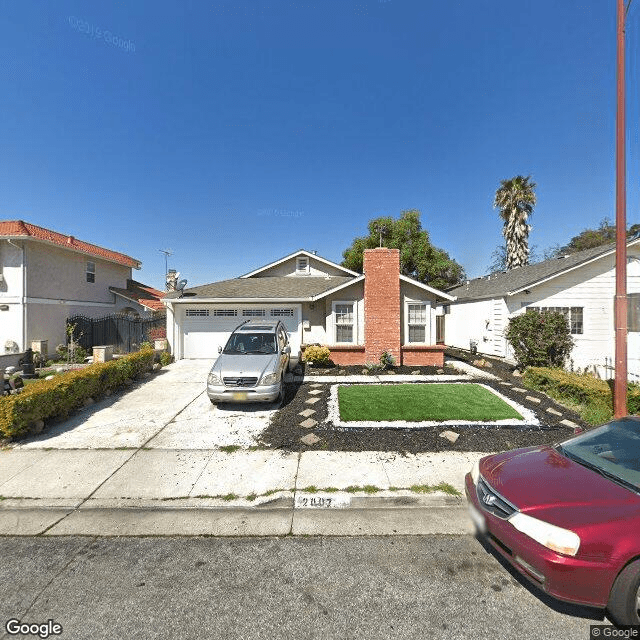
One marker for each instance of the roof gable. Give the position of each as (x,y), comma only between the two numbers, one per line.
(142,294)
(516,280)
(296,254)
(20,229)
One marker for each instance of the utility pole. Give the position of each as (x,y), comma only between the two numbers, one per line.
(620,306)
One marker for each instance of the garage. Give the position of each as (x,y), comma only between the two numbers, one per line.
(204,328)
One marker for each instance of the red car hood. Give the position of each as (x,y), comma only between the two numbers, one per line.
(540,479)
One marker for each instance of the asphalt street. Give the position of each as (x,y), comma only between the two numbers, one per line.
(290,587)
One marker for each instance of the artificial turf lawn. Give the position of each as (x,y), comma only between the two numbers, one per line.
(418,402)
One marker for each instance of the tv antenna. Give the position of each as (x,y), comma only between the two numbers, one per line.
(167,253)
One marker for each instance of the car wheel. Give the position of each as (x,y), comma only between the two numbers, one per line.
(213,402)
(280,398)
(624,601)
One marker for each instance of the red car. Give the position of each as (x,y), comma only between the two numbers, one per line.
(567,516)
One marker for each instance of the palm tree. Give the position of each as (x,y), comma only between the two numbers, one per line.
(516,198)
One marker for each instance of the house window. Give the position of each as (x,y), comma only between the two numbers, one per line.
(417,322)
(282,313)
(253,313)
(572,314)
(343,320)
(226,313)
(197,313)
(302,265)
(91,271)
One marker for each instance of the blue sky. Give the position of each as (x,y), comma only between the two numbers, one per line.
(236,131)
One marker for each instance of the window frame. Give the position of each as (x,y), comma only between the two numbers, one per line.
(90,273)
(569,315)
(427,324)
(354,321)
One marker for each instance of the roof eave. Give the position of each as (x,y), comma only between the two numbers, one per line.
(293,255)
(426,287)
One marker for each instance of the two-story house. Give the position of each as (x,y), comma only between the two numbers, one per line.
(46,277)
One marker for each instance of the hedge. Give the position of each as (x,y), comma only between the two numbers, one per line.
(584,389)
(63,394)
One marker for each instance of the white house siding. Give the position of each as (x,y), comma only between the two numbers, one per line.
(411,293)
(288,268)
(467,321)
(591,287)
(352,293)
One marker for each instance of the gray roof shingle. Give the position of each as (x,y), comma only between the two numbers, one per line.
(286,287)
(503,283)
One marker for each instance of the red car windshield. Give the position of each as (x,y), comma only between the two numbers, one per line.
(612,450)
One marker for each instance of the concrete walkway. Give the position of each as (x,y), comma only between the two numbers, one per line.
(161,460)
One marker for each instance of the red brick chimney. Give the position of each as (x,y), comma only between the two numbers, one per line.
(381,303)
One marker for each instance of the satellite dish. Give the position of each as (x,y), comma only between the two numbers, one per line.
(181,285)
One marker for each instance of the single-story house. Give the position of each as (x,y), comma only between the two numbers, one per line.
(358,316)
(581,285)
(46,277)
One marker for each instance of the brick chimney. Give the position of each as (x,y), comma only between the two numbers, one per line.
(381,303)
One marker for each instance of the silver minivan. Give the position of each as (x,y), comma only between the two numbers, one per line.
(252,365)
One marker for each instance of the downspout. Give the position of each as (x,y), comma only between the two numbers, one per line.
(24,291)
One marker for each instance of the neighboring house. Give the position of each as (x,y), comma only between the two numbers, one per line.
(320,302)
(46,277)
(581,285)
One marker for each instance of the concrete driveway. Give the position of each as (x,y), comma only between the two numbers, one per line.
(168,411)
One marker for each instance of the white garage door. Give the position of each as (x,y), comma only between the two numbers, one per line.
(207,327)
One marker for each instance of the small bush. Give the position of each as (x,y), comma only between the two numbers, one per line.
(157,333)
(540,339)
(372,367)
(66,392)
(165,358)
(318,355)
(387,360)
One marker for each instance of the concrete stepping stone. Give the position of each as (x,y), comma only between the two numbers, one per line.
(519,390)
(315,392)
(532,399)
(451,436)
(307,412)
(312,400)
(507,384)
(568,423)
(315,384)
(553,412)
(310,439)
(309,423)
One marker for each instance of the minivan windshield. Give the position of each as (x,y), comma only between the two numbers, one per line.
(612,450)
(245,343)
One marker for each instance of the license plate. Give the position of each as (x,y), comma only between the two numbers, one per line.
(239,395)
(477,518)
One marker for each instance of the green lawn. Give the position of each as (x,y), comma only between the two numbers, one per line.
(418,402)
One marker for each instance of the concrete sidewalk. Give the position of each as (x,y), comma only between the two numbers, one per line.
(245,492)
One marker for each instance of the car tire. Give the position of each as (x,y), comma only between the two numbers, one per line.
(624,600)
(213,402)
(280,398)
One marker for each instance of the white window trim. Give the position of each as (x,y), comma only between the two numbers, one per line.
(427,329)
(334,332)
(304,271)
(90,271)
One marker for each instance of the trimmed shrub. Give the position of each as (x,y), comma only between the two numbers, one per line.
(317,355)
(165,358)
(66,392)
(593,394)
(540,339)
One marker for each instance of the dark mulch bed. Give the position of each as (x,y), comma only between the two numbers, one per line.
(358,370)
(284,431)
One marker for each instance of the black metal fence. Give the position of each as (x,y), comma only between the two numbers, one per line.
(123,332)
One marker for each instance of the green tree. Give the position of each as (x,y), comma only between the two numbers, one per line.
(591,238)
(515,198)
(419,259)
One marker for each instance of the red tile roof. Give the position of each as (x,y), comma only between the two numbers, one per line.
(20,229)
(142,294)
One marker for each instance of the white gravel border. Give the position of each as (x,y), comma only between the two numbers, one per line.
(334,415)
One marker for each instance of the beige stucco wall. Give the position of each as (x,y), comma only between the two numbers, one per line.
(57,273)
(412,293)
(352,293)
(288,268)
